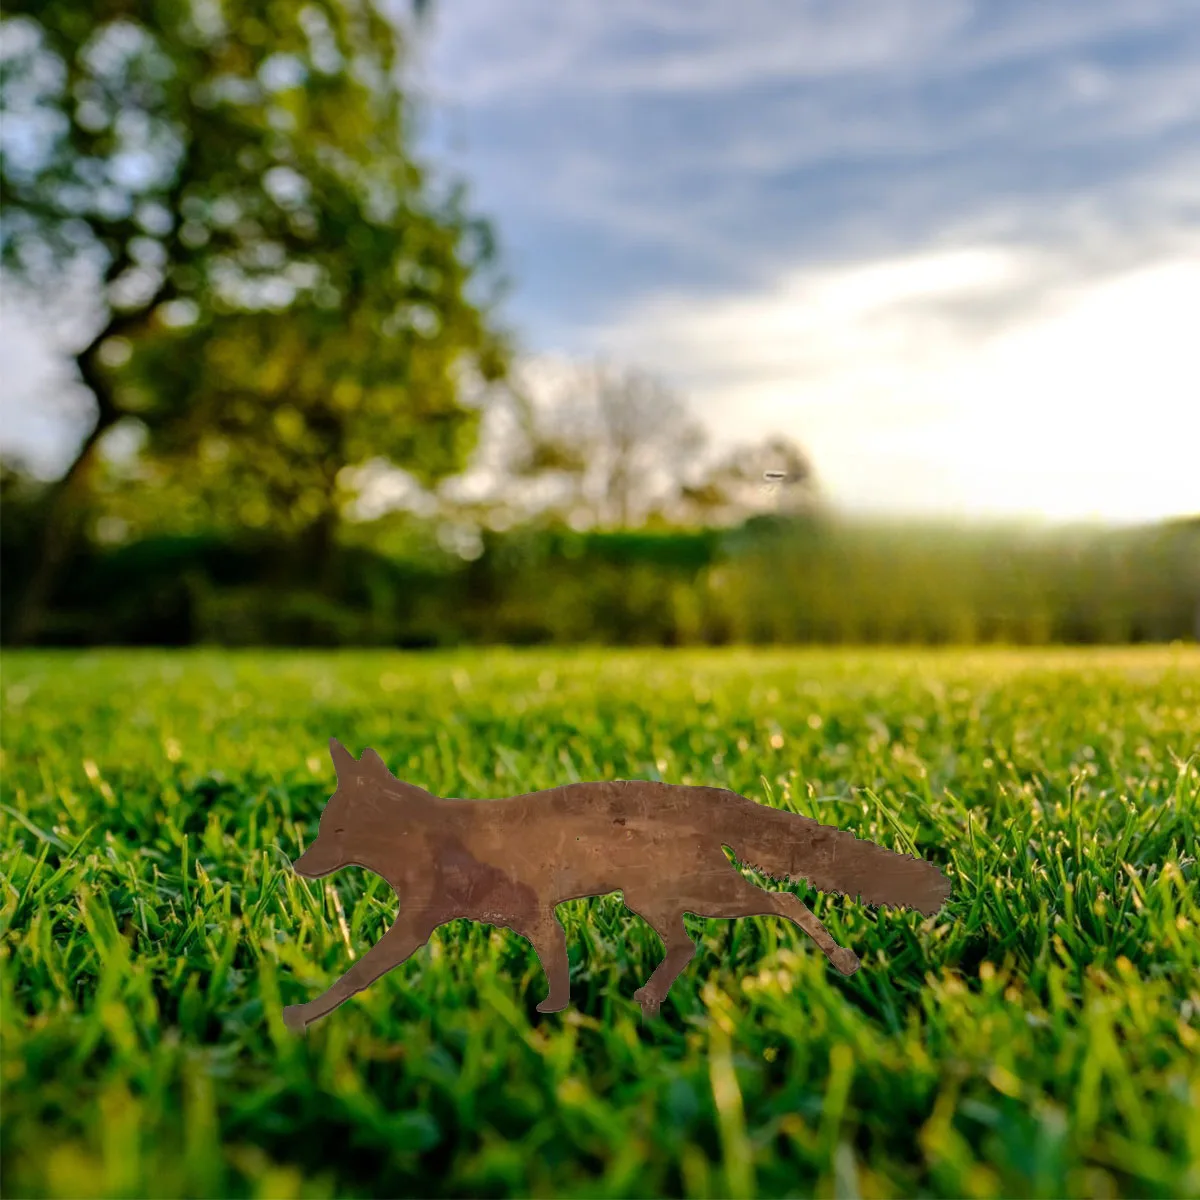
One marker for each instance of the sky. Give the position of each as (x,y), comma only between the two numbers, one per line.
(951,248)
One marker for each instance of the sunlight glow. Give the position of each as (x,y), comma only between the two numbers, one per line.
(985,381)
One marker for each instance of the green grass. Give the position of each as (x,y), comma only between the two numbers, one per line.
(1040,1036)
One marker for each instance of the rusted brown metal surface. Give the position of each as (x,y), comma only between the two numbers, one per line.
(509,862)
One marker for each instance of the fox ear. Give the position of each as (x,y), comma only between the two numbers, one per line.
(344,763)
(371,762)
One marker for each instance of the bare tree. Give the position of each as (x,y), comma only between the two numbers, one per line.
(600,445)
(647,442)
(604,446)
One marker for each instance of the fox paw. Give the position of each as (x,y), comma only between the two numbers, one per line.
(845,960)
(294,1018)
(551,1005)
(650,1003)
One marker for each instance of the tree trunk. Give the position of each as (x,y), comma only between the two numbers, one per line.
(319,541)
(64,504)
(320,538)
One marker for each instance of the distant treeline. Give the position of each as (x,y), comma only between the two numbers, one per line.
(814,580)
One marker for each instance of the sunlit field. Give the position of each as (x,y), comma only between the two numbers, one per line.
(1038,1037)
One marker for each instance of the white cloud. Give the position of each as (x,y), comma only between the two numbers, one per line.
(514,52)
(716,136)
(1085,403)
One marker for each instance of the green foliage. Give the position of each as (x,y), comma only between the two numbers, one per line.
(392,583)
(1041,1037)
(286,294)
(839,581)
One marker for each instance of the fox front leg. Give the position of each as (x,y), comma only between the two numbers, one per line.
(792,907)
(550,944)
(400,942)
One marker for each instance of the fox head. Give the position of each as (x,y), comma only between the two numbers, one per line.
(348,810)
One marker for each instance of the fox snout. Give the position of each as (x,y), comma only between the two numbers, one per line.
(319,859)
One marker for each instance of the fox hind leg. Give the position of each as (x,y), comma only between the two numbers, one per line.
(667,922)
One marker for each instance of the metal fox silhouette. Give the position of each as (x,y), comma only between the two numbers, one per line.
(510,862)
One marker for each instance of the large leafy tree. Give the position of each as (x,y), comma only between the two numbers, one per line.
(279,288)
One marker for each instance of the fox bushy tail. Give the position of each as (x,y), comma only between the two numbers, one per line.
(788,846)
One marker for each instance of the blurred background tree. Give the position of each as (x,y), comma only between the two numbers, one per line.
(598,446)
(775,475)
(280,294)
(621,439)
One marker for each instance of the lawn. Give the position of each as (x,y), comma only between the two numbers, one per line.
(1038,1037)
